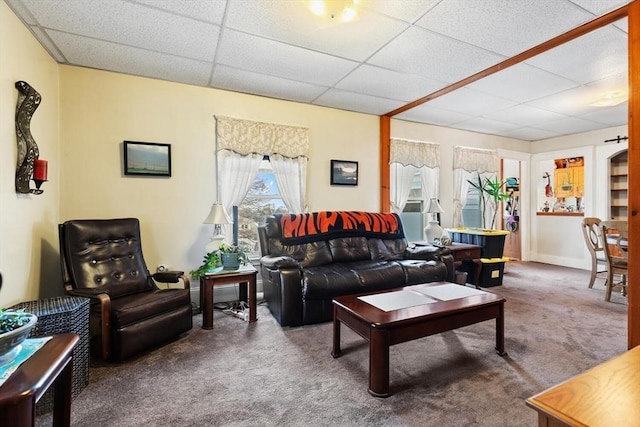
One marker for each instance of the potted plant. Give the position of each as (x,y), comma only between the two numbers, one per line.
(232,256)
(492,191)
(15,326)
(210,262)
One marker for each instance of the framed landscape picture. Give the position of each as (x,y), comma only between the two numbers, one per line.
(344,172)
(147,158)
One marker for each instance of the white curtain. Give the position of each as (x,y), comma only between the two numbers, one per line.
(467,163)
(291,176)
(401,180)
(405,157)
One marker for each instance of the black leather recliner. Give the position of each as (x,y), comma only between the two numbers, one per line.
(301,280)
(102,260)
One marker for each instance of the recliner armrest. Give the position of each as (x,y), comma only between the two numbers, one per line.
(171,276)
(88,292)
(279,262)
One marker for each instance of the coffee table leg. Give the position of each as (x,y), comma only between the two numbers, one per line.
(500,332)
(336,352)
(379,363)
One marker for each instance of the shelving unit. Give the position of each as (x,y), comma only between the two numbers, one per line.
(619,184)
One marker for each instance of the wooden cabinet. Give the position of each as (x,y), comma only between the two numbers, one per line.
(619,185)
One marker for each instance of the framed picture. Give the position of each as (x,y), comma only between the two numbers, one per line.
(344,172)
(147,159)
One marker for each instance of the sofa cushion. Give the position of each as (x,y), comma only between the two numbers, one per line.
(346,249)
(393,249)
(418,271)
(307,254)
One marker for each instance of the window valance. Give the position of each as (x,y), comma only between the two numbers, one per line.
(247,136)
(476,160)
(416,153)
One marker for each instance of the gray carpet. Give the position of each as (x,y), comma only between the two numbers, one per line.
(264,375)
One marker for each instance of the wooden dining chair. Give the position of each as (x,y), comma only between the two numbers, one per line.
(615,236)
(593,238)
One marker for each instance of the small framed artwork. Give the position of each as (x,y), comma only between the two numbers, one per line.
(147,159)
(344,172)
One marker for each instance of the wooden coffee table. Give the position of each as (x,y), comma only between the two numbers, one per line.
(441,306)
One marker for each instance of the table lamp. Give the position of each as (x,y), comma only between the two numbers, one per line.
(433,230)
(218,216)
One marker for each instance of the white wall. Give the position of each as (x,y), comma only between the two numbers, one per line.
(28,223)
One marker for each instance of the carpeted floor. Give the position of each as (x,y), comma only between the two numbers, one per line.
(264,375)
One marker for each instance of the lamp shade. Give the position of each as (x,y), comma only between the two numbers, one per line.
(218,215)
(434,207)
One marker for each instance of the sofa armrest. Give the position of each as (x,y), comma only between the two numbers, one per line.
(433,253)
(274,262)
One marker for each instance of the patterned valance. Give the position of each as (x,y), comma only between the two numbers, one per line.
(476,160)
(415,153)
(247,137)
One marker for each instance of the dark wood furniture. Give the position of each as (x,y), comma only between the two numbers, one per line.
(606,395)
(50,365)
(245,275)
(383,329)
(466,253)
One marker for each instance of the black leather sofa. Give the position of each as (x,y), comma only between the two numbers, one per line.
(302,272)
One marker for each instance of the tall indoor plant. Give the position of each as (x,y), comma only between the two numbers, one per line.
(491,191)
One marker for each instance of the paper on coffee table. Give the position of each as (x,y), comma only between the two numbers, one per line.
(389,301)
(450,291)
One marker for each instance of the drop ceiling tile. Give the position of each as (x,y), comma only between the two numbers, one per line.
(484,125)
(102,55)
(344,100)
(570,125)
(522,83)
(430,55)
(406,10)
(244,51)
(524,115)
(530,134)
(208,11)
(592,57)
(506,27)
(431,115)
(130,24)
(375,81)
(600,7)
(472,102)
(249,82)
(611,116)
(293,23)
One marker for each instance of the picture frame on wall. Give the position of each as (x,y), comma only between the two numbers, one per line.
(344,172)
(147,158)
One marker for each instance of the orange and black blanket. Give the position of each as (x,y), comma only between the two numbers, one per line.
(315,226)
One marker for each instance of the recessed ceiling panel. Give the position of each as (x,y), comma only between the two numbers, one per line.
(530,134)
(377,81)
(208,11)
(612,116)
(524,115)
(130,24)
(356,102)
(130,60)
(472,102)
(248,82)
(425,113)
(484,125)
(567,126)
(507,27)
(269,57)
(406,10)
(433,56)
(600,7)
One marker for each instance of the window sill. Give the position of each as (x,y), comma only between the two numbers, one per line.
(560,213)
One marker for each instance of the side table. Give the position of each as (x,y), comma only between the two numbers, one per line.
(50,365)
(245,275)
(463,252)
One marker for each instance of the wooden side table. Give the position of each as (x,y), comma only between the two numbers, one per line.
(471,253)
(51,364)
(245,275)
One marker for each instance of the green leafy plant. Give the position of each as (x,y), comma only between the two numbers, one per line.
(492,191)
(211,260)
(12,319)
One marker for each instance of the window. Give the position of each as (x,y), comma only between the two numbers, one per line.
(472,211)
(262,200)
(412,216)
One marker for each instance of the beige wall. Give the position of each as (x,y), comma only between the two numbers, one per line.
(28,223)
(100,109)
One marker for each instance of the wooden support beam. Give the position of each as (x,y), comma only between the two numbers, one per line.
(633,310)
(385,171)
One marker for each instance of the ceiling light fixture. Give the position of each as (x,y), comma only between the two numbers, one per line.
(610,99)
(336,11)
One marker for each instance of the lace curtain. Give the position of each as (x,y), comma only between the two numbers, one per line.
(407,156)
(241,145)
(467,162)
